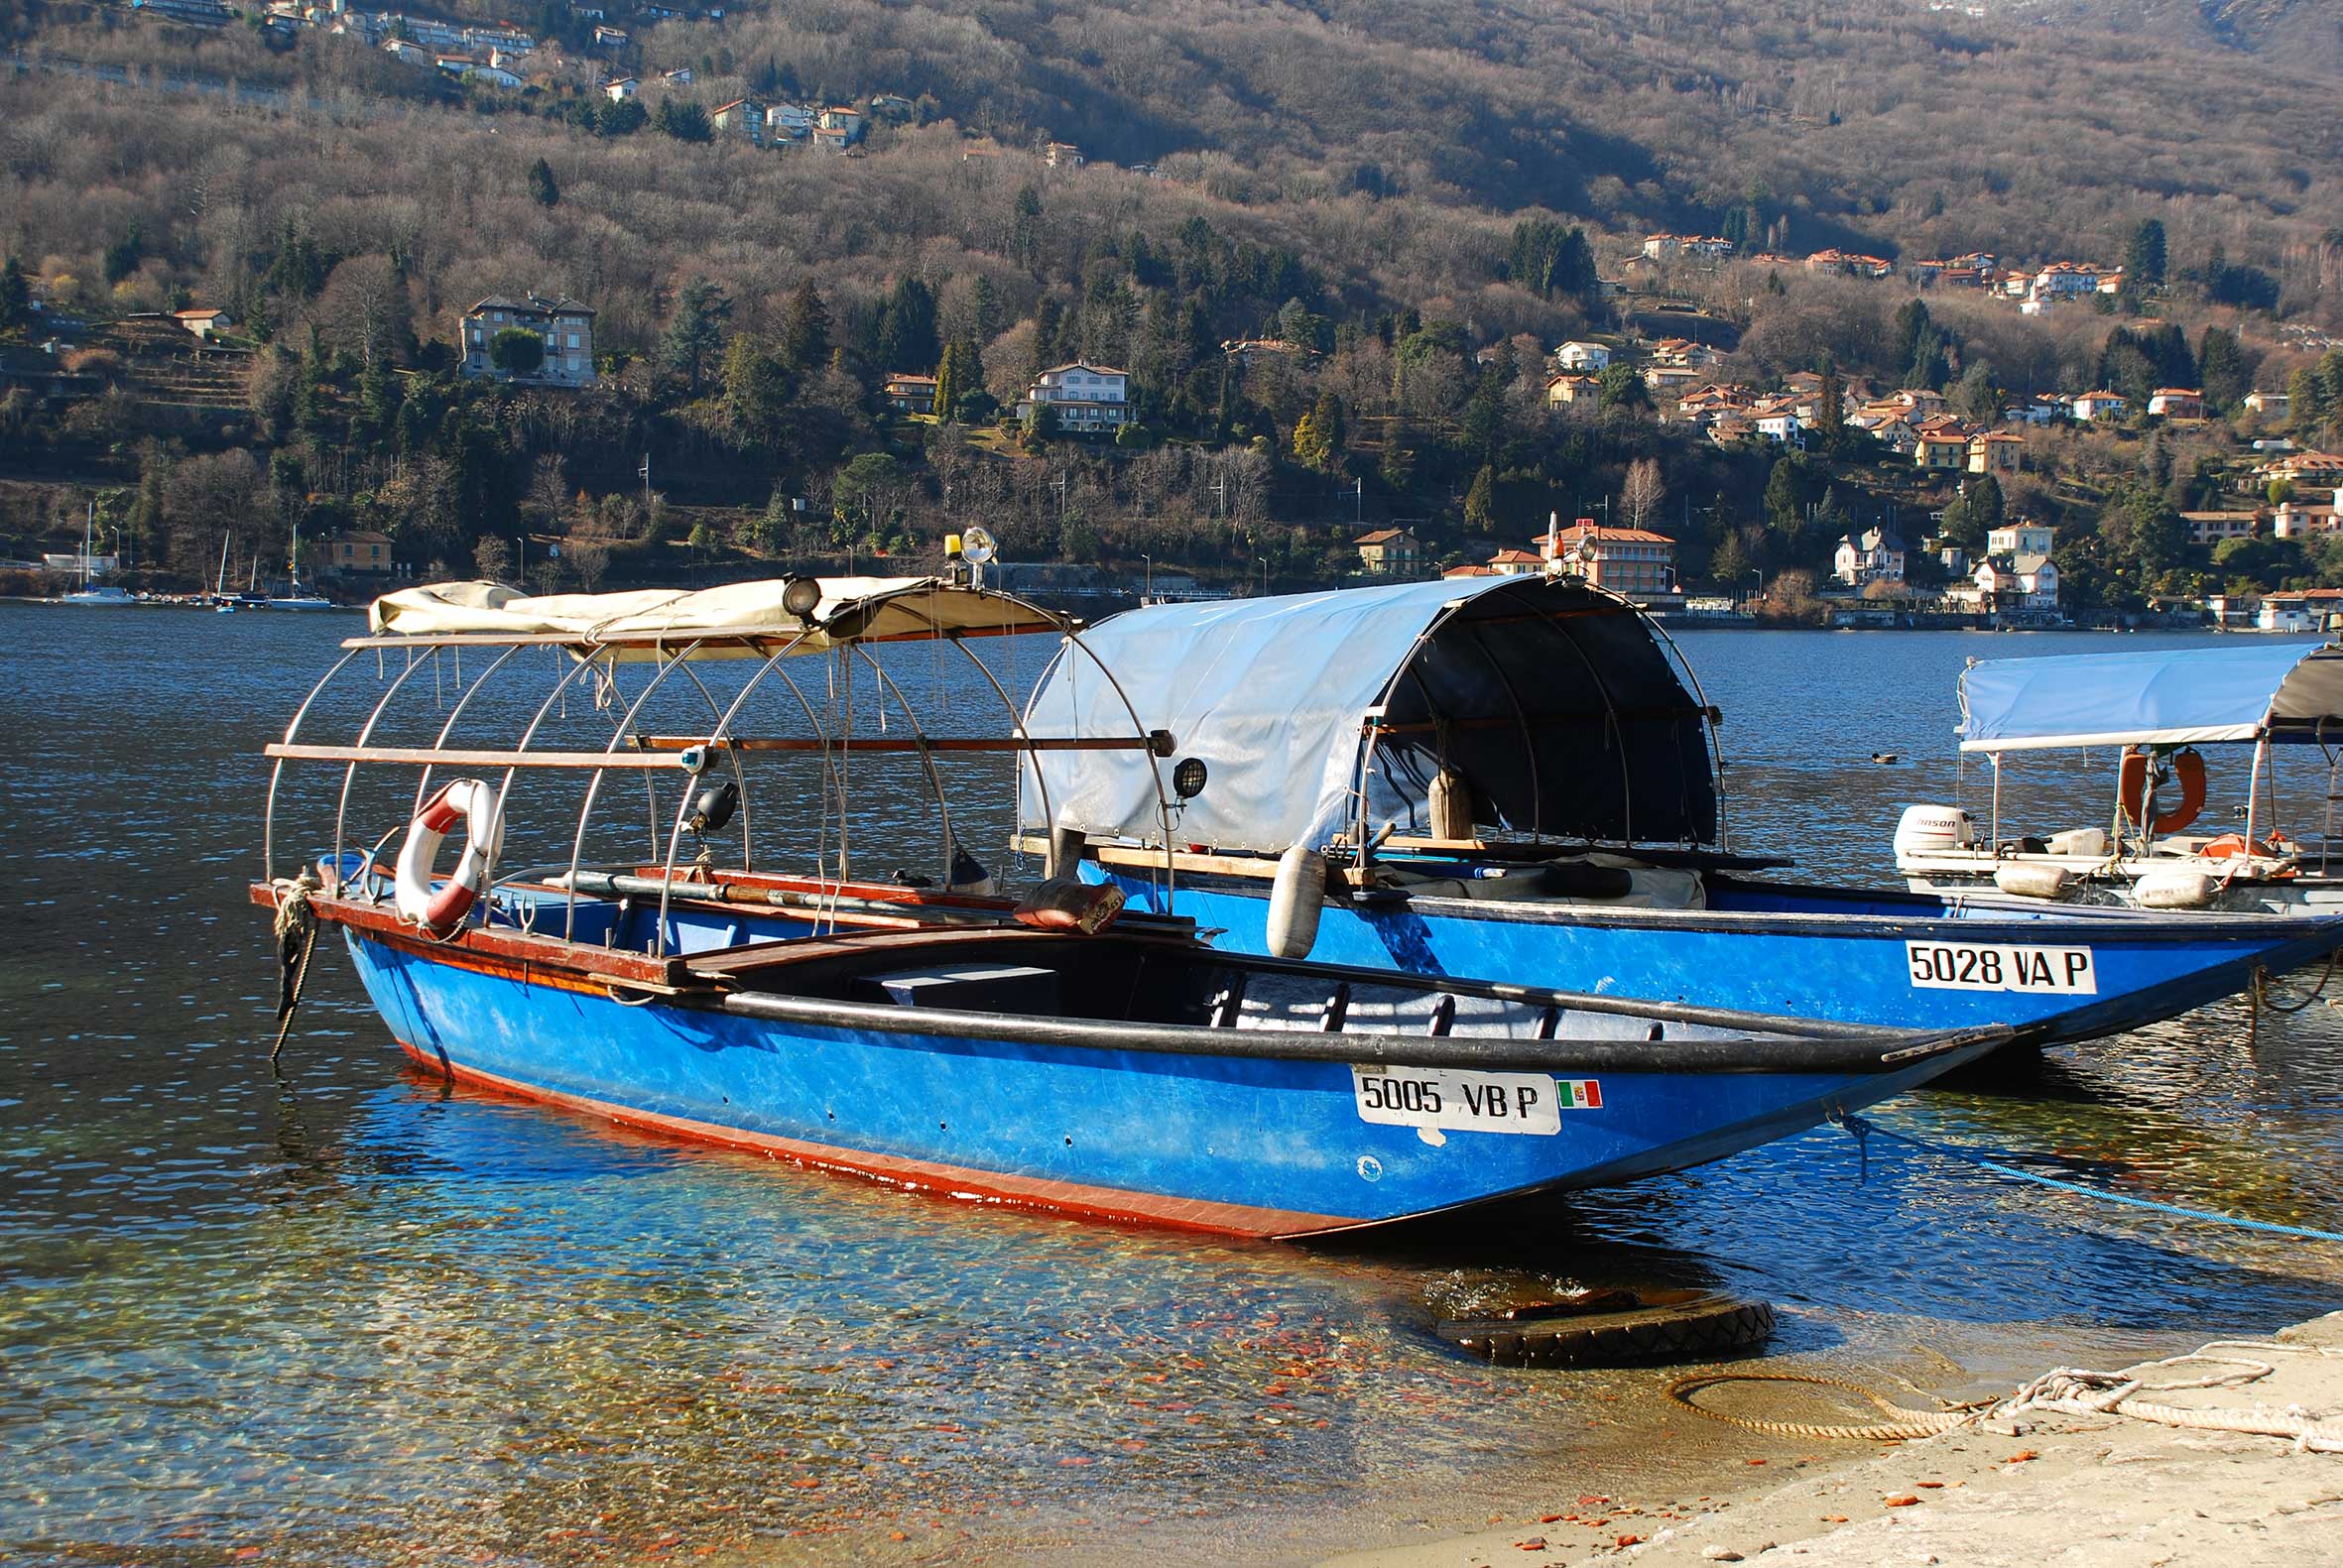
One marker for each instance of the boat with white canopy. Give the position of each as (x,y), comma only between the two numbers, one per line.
(2160,713)
(1049,1050)
(1518,776)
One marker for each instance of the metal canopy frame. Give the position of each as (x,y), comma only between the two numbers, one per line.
(1453,614)
(690,756)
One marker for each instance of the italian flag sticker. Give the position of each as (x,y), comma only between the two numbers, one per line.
(1580,1094)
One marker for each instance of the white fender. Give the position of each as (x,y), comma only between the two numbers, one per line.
(1295,900)
(2031,882)
(474,802)
(2175,890)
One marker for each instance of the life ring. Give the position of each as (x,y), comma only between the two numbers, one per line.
(2232,846)
(472,803)
(2188,769)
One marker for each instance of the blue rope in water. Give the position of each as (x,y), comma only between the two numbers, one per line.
(1861,1129)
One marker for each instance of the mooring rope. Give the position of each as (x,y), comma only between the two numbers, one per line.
(2263,977)
(1862,1129)
(2065,1391)
(1908,1423)
(297,937)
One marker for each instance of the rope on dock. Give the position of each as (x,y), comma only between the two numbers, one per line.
(2065,1391)
(1863,1129)
(2072,1390)
(1904,1425)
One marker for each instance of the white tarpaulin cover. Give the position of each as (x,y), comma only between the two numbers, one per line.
(2158,696)
(1553,700)
(852,609)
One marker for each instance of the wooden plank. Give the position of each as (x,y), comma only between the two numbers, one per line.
(1152,859)
(457,757)
(577,959)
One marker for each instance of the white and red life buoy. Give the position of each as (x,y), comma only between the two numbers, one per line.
(471,801)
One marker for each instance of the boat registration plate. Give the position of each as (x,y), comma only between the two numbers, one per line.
(1474,1102)
(2002,966)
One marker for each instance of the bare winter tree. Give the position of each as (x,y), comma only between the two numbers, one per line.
(1640,498)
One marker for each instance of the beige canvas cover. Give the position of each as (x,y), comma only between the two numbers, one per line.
(733,621)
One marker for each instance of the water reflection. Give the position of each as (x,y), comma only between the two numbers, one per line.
(352,1316)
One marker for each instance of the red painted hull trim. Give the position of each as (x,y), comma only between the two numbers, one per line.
(958,1182)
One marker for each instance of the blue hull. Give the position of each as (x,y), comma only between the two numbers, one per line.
(1240,1145)
(1800,952)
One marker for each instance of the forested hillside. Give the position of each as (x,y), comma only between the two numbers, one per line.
(1414,197)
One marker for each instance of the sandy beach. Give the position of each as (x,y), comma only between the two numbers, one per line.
(2036,1488)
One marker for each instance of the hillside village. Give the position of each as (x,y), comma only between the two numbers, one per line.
(1728,426)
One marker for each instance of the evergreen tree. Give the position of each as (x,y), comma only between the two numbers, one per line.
(1786,498)
(2221,370)
(1480,502)
(907,327)
(2143,257)
(378,398)
(1024,228)
(684,120)
(16,297)
(1910,329)
(1549,259)
(756,390)
(1830,412)
(959,373)
(696,331)
(1623,388)
(805,330)
(121,258)
(985,309)
(541,185)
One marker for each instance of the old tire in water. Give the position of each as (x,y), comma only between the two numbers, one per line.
(1615,1328)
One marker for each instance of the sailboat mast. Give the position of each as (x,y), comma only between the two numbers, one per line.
(219,589)
(88,525)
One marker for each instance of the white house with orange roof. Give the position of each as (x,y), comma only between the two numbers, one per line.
(1996,452)
(1633,562)
(1087,398)
(2178,403)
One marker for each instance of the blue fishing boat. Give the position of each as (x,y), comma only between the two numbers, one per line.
(1052,1052)
(1518,776)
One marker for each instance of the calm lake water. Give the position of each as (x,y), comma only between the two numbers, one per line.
(346,1316)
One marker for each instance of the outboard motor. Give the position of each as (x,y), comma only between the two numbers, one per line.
(1933,830)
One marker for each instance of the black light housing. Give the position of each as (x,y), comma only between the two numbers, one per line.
(801,596)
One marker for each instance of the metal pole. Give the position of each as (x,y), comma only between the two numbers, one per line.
(2253,792)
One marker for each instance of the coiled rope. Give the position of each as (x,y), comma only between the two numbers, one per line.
(1863,1129)
(297,937)
(2067,1391)
(1904,1425)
